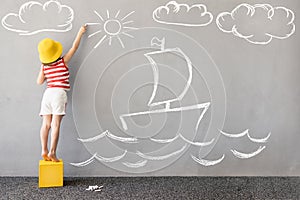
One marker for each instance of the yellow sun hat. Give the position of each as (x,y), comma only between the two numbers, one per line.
(49,50)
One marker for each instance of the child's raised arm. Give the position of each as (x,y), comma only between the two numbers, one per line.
(76,43)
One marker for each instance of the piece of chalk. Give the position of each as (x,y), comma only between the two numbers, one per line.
(88,24)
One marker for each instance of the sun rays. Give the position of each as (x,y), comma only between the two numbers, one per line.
(112,27)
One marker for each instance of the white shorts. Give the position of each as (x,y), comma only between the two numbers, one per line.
(54,102)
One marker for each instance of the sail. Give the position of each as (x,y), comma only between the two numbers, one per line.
(178,53)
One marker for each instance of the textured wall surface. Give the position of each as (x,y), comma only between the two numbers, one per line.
(202,88)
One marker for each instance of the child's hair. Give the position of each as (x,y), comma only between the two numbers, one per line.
(53,61)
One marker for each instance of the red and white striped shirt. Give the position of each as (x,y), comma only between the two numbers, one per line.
(57,75)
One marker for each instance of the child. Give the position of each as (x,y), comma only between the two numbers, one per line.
(55,71)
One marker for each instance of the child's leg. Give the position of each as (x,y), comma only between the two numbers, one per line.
(55,126)
(44,135)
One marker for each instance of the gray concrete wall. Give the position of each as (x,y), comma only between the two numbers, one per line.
(219,98)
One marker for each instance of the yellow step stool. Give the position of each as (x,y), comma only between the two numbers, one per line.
(51,174)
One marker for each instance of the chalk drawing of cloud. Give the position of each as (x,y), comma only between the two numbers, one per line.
(182,14)
(257,24)
(34,17)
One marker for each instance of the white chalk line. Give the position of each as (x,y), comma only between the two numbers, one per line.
(158,158)
(261,140)
(128,22)
(238,135)
(113,159)
(207,163)
(111,136)
(107,13)
(164,141)
(164,110)
(201,144)
(135,140)
(100,41)
(246,132)
(111,34)
(127,15)
(122,139)
(93,139)
(91,35)
(99,158)
(133,165)
(130,28)
(251,11)
(117,14)
(85,163)
(101,18)
(122,44)
(176,8)
(247,155)
(138,164)
(154,66)
(127,34)
(26,6)
(92,23)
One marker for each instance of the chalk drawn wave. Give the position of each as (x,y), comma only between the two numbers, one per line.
(164,141)
(111,136)
(207,163)
(135,140)
(138,164)
(99,158)
(85,163)
(262,140)
(113,159)
(93,139)
(148,157)
(247,155)
(246,132)
(238,135)
(202,144)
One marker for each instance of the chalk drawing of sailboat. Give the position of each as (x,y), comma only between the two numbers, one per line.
(165,106)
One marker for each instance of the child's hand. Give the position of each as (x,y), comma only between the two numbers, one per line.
(83,28)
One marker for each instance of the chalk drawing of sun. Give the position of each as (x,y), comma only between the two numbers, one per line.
(113,27)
